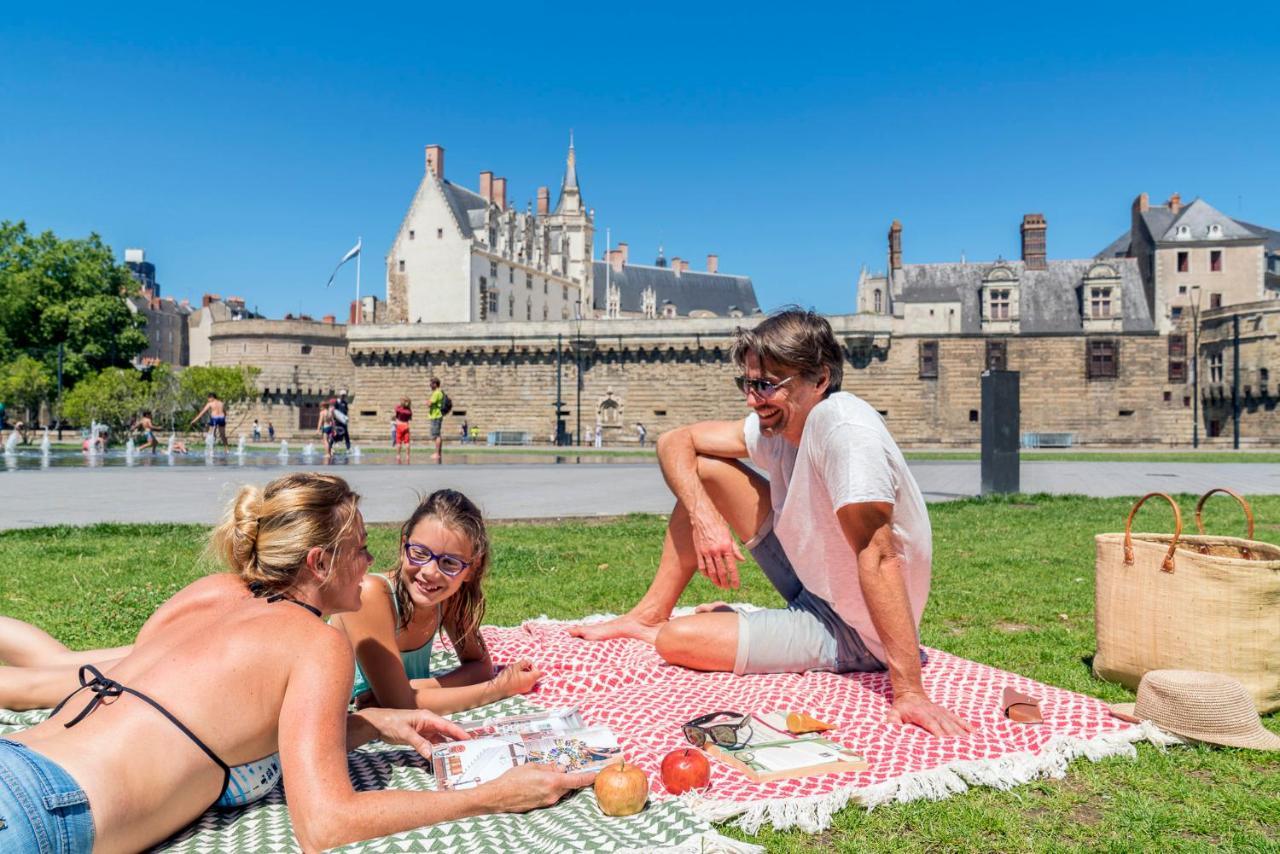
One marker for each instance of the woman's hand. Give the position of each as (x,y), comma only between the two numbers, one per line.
(417,728)
(519,677)
(530,786)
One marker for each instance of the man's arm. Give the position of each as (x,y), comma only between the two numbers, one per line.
(201,413)
(678,451)
(868,526)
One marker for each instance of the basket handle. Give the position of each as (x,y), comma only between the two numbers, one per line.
(1167,564)
(1244,505)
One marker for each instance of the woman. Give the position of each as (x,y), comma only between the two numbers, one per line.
(150,743)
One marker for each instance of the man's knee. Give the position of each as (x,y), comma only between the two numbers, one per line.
(699,642)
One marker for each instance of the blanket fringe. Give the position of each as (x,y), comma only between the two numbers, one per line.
(814,814)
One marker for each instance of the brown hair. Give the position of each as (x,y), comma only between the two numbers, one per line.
(464,609)
(795,338)
(266,533)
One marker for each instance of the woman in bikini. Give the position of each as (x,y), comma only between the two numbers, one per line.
(150,742)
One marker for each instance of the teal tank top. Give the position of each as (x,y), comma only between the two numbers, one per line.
(417,662)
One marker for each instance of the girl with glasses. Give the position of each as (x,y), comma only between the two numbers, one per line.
(436,586)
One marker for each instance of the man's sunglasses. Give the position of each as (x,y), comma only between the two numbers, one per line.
(723,734)
(761,388)
(420,555)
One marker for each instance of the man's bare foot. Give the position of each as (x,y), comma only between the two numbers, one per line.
(709,607)
(626,626)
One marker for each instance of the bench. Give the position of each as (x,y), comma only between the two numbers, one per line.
(1048,440)
(508,437)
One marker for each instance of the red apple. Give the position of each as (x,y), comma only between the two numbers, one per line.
(685,769)
(621,789)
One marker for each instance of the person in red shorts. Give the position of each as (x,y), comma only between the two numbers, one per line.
(404,414)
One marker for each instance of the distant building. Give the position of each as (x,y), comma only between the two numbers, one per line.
(623,289)
(166,330)
(213,309)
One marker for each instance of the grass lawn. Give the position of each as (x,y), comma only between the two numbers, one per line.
(1013,587)
(1116,456)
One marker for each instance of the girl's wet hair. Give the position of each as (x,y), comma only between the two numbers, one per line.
(266,533)
(464,609)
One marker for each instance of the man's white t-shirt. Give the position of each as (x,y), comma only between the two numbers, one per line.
(846,456)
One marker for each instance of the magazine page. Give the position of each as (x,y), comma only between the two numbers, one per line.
(551,720)
(463,764)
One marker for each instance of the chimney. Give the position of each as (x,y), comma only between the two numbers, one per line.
(544,201)
(1141,204)
(622,250)
(616,259)
(895,246)
(486,185)
(353,312)
(1175,203)
(435,160)
(500,193)
(713,264)
(210,299)
(328,318)
(1034,234)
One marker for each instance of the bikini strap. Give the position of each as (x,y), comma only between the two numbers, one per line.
(280,596)
(103,689)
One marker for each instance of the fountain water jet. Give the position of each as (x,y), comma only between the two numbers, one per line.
(284,451)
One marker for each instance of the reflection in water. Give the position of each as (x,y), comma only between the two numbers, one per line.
(34,460)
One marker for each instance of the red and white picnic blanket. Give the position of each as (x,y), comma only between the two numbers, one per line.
(626,686)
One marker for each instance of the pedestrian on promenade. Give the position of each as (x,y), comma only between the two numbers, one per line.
(271,432)
(641,433)
(435,412)
(404,414)
(257,431)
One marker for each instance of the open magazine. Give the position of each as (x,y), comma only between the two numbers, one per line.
(773,753)
(555,737)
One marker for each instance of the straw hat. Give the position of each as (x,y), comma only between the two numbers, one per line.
(1207,707)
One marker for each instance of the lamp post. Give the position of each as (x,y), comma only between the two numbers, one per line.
(1195,366)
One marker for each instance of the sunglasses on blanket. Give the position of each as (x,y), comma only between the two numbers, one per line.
(699,730)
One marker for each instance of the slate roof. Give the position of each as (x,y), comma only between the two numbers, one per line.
(468,207)
(690,291)
(1048,300)
(1162,224)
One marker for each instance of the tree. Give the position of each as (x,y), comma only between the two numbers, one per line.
(24,384)
(113,397)
(65,291)
(232,385)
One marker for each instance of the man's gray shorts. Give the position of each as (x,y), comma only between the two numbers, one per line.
(436,424)
(807,635)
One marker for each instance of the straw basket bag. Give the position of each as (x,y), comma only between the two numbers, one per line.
(1189,603)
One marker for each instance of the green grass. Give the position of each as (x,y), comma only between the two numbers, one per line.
(1013,587)
(1115,456)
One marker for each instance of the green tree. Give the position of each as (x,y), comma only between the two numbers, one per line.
(24,383)
(232,384)
(113,397)
(65,291)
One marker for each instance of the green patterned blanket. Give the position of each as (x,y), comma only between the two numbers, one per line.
(575,824)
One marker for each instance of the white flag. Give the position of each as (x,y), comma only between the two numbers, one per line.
(354,251)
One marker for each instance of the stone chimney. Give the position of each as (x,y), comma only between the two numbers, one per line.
(500,193)
(679,265)
(895,246)
(1175,203)
(435,161)
(329,318)
(544,201)
(353,313)
(622,250)
(486,185)
(209,299)
(1034,248)
(616,259)
(713,264)
(1141,204)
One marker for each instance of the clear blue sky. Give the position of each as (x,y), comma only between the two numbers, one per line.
(245,148)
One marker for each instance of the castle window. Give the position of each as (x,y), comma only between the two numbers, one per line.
(401,265)
(1184,232)
(528,309)
(546,287)
(1215,230)
(411,234)
(999,305)
(545,311)
(493,270)
(997,355)
(1100,302)
(439,233)
(511,275)
(878,301)
(511,306)
(1215,260)
(1101,359)
(928,360)
(493,303)
(668,310)
(1215,300)
(306,349)
(1215,367)
(1177,358)
(1184,262)
(1175,313)
(564,313)
(564,291)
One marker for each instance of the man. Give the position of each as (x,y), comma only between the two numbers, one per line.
(148,431)
(257,431)
(217,418)
(641,433)
(341,433)
(840,529)
(435,412)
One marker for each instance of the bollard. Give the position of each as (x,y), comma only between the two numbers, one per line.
(1000,431)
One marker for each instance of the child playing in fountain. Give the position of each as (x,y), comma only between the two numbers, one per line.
(148,431)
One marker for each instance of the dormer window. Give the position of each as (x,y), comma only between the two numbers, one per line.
(1215,230)
(1100,302)
(668,310)
(1184,232)
(999,304)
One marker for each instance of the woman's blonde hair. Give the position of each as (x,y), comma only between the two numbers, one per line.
(266,533)
(464,610)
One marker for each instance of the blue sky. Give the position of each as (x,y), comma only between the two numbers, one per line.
(245,148)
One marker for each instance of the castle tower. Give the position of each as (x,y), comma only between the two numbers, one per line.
(573,225)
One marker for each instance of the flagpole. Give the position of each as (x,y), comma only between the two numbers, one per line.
(359,308)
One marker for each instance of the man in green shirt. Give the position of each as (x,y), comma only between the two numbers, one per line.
(435,412)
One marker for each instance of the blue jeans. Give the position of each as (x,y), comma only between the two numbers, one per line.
(41,808)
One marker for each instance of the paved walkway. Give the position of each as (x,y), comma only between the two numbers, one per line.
(519,491)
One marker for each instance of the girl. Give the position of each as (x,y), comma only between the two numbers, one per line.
(404,414)
(161,734)
(436,586)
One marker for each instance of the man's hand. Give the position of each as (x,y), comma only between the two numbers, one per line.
(527,787)
(417,728)
(918,709)
(718,552)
